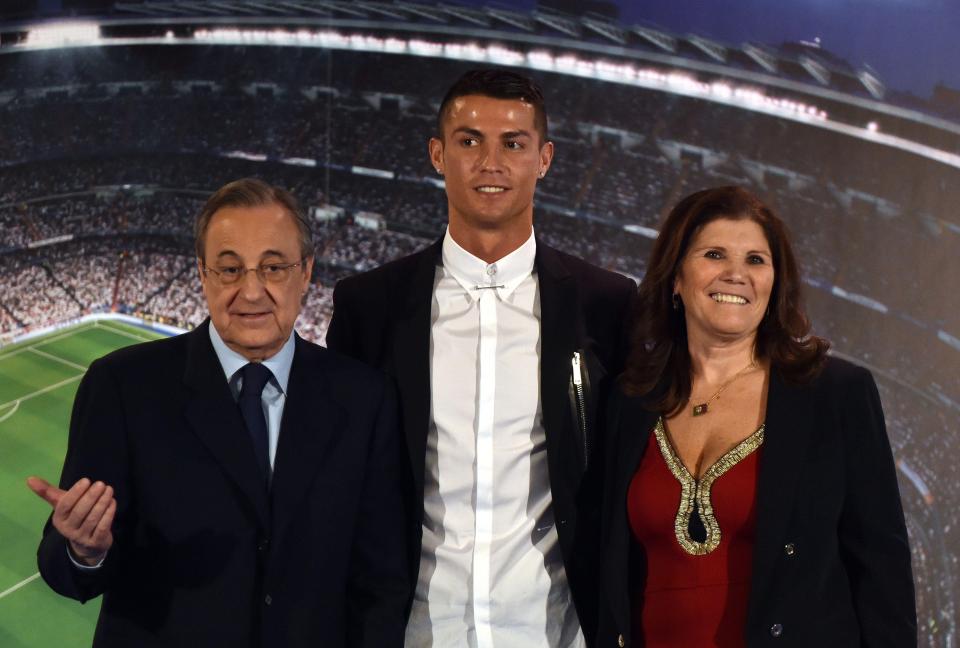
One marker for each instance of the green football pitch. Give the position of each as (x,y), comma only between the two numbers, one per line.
(38,380)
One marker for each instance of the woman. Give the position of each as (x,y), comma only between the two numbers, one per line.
(751,493)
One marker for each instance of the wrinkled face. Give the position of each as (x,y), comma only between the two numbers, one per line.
(491,159)
(254,318)
(725,280)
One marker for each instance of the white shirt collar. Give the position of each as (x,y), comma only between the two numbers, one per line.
(279,363)
(472,273)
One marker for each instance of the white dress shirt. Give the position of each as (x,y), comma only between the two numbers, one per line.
(273,396)
(491,571)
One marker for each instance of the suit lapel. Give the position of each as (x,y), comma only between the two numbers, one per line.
(634,426)
(559,310)
(411,357)
(631,426)
(215,419)
(310,422)
(784,447)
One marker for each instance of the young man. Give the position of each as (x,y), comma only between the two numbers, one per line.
(495,340)
(235,485)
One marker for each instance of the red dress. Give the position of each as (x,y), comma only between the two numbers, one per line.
(697,584)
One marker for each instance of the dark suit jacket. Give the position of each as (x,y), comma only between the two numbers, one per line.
(827,487)
(202,554)
(383,318)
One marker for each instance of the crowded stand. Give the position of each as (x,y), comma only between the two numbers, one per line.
(359,248)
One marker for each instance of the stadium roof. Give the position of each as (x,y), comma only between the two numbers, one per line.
(591,31)
(800,73)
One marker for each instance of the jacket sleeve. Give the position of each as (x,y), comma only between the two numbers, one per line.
(340,335)
(379,586)
(96,449)
(872,532)
(628,300)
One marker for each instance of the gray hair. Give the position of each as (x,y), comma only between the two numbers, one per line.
(251,192)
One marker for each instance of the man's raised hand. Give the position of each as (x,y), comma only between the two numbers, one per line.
(83,515)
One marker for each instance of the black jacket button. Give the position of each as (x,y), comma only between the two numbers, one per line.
(789,548)
(267,600)
(776,630)
(263,545)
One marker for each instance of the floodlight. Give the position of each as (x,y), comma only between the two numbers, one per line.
(425,48)
(540,60)
(504,56)
(65,33)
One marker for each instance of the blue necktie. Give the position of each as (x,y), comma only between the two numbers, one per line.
(255,377)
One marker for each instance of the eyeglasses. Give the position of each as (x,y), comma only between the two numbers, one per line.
(269,273)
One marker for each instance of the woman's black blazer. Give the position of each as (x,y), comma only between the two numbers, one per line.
(831,563)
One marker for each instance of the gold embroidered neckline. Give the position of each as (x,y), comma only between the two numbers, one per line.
(694,493)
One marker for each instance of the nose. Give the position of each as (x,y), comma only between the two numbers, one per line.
(490,158)
(734,271)
(251,287)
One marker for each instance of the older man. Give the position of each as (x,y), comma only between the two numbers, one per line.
(235,485)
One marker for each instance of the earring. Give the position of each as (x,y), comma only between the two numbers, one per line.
(439,172)
(676,301)
(541,174)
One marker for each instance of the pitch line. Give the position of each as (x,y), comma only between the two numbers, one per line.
(40,392)
(25,581)
(119,331)
(58,359)
(44,341)
(16,406)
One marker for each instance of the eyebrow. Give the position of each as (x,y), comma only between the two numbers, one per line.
(473,132)
(266,253)
(720,247)
(468,131)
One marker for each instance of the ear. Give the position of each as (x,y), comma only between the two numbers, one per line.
(435,147)
(546,157)
(307,273)
(203,275)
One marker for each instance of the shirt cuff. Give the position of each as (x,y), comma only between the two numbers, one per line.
(79,565)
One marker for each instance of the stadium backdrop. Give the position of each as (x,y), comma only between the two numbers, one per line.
(114,133)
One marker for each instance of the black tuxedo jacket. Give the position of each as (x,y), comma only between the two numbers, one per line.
(831,564)
(383,318)
(203,555)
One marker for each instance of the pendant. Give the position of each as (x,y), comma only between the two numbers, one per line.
(700,410)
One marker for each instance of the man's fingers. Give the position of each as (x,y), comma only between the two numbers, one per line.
(103,534)
(81,508)
(83,514)
(50,493)
(92,519)
(69,498)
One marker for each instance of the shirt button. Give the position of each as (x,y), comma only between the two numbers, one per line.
(267,600)
(620,641)
(491,269)
(776,630)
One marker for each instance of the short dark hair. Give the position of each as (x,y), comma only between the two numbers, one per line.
(658,365)
(498,84)
(251,192)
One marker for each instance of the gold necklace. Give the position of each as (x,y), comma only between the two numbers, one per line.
(702,408)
